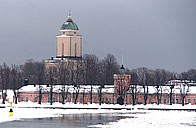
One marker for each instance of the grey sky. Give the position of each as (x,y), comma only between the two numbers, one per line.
(150,33)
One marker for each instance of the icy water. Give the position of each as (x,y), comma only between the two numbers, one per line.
(67,121)
(139,119)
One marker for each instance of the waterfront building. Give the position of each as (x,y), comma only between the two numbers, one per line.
(108,93)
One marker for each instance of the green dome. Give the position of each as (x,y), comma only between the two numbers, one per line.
(69,25)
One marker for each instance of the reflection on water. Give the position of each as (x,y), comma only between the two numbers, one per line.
(147,119)
(68,120)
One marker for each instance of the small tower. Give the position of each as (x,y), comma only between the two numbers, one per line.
(121,85)
(69,42)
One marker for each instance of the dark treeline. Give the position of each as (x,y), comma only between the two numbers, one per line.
(90,70)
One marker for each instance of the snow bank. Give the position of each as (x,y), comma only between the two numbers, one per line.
(23,110)
(154,119)
(26,110)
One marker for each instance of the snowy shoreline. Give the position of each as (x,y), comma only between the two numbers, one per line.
(28,110)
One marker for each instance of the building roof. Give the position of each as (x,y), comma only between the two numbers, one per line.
(68,88)
(69,25)
(183,86)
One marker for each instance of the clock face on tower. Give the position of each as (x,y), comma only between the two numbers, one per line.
(69,42)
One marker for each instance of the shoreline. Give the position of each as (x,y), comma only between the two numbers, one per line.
(28,110)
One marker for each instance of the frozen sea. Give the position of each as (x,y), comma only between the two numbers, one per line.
(66,121)
(139,119)
(103,118)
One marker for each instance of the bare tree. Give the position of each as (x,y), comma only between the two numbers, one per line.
(63,94)
(134,82)
(100,93)
(170,94)
(142,79)
(92,71)
(91,66)
(51,79)
(189,75)
(63,73)
(77,91)
(83,95)
(34,71)
(2,83)
(161,76)
(10,78)
(111,67)
(91,95)
(16,80)
(184,89)
(62,78)
(5,80)
(40,94)
(101,80)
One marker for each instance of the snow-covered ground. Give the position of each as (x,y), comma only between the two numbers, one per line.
(22,110)
(155,119)
(135,117)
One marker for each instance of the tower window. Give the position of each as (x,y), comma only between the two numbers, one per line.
(75,49)
(63,32)
(74,32)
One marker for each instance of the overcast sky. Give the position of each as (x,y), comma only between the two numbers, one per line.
(148,33)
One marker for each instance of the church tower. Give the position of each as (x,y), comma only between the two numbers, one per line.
(69,42)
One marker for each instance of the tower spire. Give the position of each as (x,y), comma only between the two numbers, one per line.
(69,15)
(122,67)
(122,59)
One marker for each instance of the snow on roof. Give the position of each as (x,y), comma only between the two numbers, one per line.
(188,86)
(166,89)
(67,88)
(178,82)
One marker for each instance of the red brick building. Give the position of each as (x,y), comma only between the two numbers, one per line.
(121,86)
(31,93)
